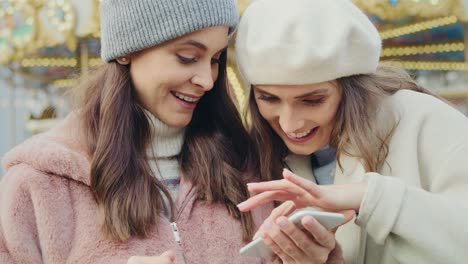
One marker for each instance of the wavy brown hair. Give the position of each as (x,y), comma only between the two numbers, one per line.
(216,155)
(356,132)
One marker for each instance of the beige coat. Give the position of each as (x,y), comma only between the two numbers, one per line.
(416,207)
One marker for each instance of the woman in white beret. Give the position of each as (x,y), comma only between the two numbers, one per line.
(351,134)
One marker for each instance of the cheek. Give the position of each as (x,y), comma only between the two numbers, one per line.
(271,116)
(153,72)
(143,80)
(265,111)
(330,115)
(325,118)
(140,82)
(326,113)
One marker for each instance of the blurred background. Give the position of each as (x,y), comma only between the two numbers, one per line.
(46,45)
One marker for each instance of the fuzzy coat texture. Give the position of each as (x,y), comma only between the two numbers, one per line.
(48,213)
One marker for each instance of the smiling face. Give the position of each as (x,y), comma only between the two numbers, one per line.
(303,116)
(170,78)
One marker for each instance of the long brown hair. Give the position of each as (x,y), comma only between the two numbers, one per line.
(356,132)
(216,156)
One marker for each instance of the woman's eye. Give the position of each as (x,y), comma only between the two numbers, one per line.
(267,98)
(186,60)
(314,101)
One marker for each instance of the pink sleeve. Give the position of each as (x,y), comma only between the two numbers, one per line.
(4,254)
(18,231)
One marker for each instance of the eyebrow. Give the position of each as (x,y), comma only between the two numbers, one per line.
(195,44)
(318,91)
(200,45)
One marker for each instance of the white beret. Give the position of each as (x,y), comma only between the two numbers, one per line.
(305,41)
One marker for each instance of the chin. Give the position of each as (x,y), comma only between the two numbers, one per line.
(179,123)
(301,150)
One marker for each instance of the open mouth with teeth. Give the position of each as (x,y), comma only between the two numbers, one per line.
(302,136)
(185,98)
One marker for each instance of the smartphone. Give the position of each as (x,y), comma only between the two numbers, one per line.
(257,248)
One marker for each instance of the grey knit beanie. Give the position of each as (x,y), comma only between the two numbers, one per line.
(131,25)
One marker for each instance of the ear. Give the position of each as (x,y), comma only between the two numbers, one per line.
(123,60)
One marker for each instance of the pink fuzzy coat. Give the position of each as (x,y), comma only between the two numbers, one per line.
(48,213)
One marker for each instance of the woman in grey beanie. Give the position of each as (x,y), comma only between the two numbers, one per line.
(361,137)
(151,166)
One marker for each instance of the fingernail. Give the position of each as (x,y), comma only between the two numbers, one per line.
(268,224)
(241,205)
(282,223)
(309,221)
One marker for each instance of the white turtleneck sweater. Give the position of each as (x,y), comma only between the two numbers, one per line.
(163,151)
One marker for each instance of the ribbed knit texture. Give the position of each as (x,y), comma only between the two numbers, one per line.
(162,153)
(128,26)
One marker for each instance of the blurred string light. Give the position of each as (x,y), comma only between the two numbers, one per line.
(422,49)
(399,9)
(417,27)
(94,62)
(23,30)
(20,19)
(62,16)
(58,62)
(429,65)
(65,83)
(49,62)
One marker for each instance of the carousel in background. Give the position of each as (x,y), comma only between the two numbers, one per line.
(45,46)
(429,39)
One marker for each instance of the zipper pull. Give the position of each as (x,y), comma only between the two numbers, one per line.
(176,233)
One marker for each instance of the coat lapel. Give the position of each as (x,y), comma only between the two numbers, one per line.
(352,172)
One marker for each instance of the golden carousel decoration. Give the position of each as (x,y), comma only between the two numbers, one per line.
(428,38)
(54,42)
(49,44)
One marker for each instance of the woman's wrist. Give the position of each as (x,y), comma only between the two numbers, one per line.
(361,190)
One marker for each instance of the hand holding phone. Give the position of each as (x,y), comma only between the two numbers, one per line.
(329,220)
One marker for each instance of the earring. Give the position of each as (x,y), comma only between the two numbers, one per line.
(123,60)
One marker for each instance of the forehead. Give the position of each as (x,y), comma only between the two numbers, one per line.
(298,90)
(209,39)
